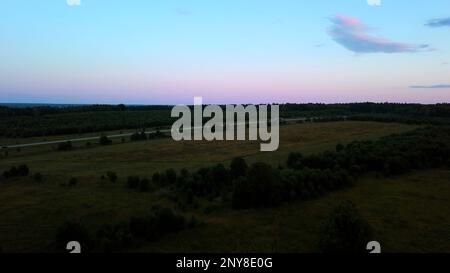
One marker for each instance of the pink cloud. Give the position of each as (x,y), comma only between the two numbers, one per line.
(355,36)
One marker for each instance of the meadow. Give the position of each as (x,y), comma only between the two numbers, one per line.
(408,212)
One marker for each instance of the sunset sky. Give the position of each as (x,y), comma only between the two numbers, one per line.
(227,51)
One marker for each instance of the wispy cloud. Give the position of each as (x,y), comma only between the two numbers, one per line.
(439,22)
(374,2)
(437,86)
(183,12)
(73,2)
(355,36)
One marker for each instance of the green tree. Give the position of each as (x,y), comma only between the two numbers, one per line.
(112,176)
(345,231)
(238,167)
(104,140)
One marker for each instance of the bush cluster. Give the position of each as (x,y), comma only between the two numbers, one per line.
(104,140)
(121,235)
(21,170)
(138,136)
(64,146)
(140,184)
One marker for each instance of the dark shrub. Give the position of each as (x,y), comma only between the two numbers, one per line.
(73,182)
(112,177)
(5,151)
(294,161)
(190,198)
(261,188)
(318,162)
(140,227)
(184,178)
(133,182)
(71,231)
(171,176)
(355,169)
(138,136)
(23,170)
(184,172)
(64,146)
(193,222)
(104,140)
(13,172)
(144,185)
(396,165)
(156,177)
(6,174)
(114,237)
(241,193)
(38,177)
(339,148)
(221,179)
(238,167)
(169,221)
(345,231)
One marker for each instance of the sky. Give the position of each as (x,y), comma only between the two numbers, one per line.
(227,51)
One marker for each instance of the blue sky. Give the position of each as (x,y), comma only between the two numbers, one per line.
(239,51)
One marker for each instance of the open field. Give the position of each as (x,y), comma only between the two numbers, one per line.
(31,211)
(155,155)
(409,213)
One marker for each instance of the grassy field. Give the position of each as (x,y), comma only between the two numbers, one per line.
(147,157)
(31,211)
(408,213)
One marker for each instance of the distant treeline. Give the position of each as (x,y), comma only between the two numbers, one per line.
(349,109)
(46,120)
(49,110)
(82,122)
(288,109)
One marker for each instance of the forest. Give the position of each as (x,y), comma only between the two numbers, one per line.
(47,120)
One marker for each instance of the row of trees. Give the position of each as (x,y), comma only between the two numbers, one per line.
(392,155)
(141,184)
(142,135)
(257,185)
(21,170)
(263,186)
(307,177)
(68,146)
(104,140)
